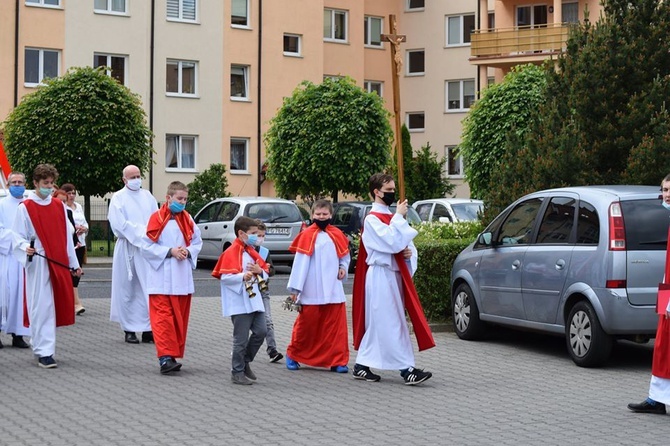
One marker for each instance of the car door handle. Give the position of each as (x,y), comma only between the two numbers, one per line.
(516,264)
(560,264)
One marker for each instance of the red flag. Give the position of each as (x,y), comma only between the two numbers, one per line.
(4,163)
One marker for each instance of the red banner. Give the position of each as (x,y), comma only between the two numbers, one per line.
(4,162)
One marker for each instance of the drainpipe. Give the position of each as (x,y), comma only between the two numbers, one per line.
(478,21)
(16,54)
(258,96)
(151,92)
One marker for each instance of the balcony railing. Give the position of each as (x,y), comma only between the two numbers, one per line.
(521,40)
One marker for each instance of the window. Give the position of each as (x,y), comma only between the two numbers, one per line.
(518,226)
(460,95)
(240,13)
(492,20)
(416,121)
(239,82)
(209,213)
(334,25)
(416,4)
(557,221)
(116,65)
(415,62)
(180,152)
(292,45)
(377,87)
(182,10)
(459,29)
(239,155)
(454,163)
(533,16)
(181,77)
(570,12)
(40,64)
(373,31)
(43,2)
(110,6)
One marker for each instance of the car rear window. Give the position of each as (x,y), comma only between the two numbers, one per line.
(467,211)
(646,224)
(274,212)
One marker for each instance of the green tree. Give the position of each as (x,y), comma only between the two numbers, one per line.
(207,186)
(427,177)
(503,108)
(84,123)
(328,138)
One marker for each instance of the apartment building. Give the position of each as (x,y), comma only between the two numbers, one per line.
(212,73)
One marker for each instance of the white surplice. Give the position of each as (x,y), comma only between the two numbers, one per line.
(128,215)
(11,272)
(314,278)
(39,293)
(171,277)
(386,343)
(234,296)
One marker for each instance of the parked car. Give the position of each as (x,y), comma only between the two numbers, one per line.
(449,210)
(216,221)
(582,262)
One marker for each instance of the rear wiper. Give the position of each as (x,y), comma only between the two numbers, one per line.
(655,242)
(277,218)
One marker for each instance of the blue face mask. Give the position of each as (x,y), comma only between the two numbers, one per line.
(176,207)
(251,241)
(46,191)
(666,205)
(17,191)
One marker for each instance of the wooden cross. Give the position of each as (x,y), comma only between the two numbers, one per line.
(396,63)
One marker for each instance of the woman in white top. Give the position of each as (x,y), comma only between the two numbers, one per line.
(81,228)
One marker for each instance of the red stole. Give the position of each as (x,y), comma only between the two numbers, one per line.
(424,337)
(161,217)
(230,261)
(50,226)
(305,240)
(660,366)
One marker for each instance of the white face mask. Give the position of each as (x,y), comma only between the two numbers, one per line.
(260,240)
(134,184)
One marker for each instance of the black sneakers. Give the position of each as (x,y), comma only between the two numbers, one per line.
(414,376)
(168,365)
(648,406)
(275,356)
(363,373)
(47,362)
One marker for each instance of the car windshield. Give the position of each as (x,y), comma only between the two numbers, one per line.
(467,211)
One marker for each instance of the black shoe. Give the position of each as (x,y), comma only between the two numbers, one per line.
(131,338)
(148,337)
(363,372)
(275,356)
(1,346)
(414,376)
(170,365)
(18,342)
(647,406)
(47,362)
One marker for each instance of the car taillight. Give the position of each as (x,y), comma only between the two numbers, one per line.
(615,284)
(303,226)
(617,241)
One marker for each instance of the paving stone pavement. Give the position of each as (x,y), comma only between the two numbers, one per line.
(513,389)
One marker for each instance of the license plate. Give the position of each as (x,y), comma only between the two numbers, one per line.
(278,231)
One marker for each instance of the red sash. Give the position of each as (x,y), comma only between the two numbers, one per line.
(161,217)
(660,366)
(230,261)
(424,337)
(51,229)
(305,241)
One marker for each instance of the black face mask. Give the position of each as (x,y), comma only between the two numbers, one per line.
(323,223)
(388,198)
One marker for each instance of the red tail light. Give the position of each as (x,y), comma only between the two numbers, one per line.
(303,226)
(617,236)
(615,284)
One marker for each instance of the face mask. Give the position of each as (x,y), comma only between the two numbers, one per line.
(134,184)
(388,198)
(323,223)
(259,241)
(666,205)
(46,191)
(17,191)
(176,207)
(251,241)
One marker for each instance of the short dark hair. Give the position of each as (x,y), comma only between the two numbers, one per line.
(377,181)
(68,187)
(244,223)
(322,203)
(45,171)
(261,225)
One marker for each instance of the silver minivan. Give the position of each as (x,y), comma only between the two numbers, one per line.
(582,262)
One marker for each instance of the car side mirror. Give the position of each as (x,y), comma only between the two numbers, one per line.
(444,220)
(484,239)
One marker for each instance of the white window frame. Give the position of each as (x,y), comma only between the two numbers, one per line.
(40,65)
(408,6)
(247,25)
(461,29)
(415,73)
(448,150)
(108,8)
(109,64)
(415,129)
(245,71)
(461,98)
(333,13)
(181,18)
(238,140)
(367,39)
(180,86)
(179,152)
(368,86)
(290,53)
(41,4)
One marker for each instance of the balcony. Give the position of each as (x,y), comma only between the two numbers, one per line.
(512,46)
